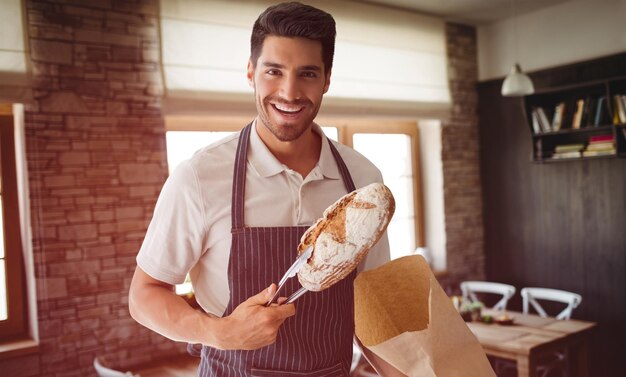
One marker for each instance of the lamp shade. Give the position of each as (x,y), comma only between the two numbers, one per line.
(517,83)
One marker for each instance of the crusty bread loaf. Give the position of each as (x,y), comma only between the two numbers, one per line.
(344,235)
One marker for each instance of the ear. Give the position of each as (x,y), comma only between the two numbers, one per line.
(250,74)
(327,83)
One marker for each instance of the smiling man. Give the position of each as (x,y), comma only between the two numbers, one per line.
(289,93)
(232,217)
(289,81)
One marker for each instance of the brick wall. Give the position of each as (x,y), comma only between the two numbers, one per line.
(96,160)
(460,155)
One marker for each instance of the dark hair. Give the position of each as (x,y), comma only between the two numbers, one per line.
(295,20)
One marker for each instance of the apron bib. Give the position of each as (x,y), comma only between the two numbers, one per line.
(317,341)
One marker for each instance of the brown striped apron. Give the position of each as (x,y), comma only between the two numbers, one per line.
(317,341)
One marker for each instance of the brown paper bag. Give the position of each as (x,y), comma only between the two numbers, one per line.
(404,317)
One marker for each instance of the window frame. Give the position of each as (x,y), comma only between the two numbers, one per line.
(16,326)
(346,131)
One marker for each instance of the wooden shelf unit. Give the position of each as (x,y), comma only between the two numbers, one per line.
(544,143)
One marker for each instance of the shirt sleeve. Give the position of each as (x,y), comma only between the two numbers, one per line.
(175,237)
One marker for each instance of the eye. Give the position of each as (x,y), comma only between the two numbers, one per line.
(273,72)
(309,74)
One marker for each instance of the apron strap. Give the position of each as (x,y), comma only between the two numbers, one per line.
(239,176)
(343,169)
(239,179)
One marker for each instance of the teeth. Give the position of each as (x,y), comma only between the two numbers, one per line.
(287,108)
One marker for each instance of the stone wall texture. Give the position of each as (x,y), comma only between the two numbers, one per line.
(97,160)
(95,147)
(461,162)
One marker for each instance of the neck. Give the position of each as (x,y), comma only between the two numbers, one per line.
(300,155)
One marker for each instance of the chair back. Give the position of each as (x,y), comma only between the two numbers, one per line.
(531,294)
(469,289)
(107,372)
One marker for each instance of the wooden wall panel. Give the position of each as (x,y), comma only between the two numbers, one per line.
(560,225)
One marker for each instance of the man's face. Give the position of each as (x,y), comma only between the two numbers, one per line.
(289,81)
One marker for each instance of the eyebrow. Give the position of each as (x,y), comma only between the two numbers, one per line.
(303,68)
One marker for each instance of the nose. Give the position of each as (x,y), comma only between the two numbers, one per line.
(290,89)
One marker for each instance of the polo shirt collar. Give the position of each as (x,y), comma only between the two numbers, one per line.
(267,165)
(259,155)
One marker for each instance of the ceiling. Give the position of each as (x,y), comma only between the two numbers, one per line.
(474,12)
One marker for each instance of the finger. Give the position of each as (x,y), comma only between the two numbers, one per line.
(284,311)
(271,290)
(262,297)
(281,300)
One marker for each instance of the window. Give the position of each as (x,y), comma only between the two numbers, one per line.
(13,313)
(393,146)
(392,154)
(185,135)
(181,145)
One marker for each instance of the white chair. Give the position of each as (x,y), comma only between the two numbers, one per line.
(470,288)
(530,295)
(108,372)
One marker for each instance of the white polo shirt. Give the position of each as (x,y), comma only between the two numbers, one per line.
(190,228)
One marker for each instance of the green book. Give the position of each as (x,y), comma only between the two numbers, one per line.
(569,148)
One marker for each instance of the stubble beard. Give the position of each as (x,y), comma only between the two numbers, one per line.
(286,131)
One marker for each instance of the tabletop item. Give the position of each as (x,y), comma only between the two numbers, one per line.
(504,319)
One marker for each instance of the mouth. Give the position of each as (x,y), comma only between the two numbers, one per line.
(288,110)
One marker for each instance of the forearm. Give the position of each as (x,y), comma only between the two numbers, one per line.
(157,307)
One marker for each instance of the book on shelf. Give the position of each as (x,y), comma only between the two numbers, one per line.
(607,145)
(557,118)
(601,112)
(572,154)
(584,119)
(601,138)
(569,148)
(619,109)
(536,126)
(543,119)
(608,152)
(600,145)
(580,104)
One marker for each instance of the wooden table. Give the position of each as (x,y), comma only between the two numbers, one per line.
(530,337)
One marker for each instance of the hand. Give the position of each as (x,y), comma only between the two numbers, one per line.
(252,325)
